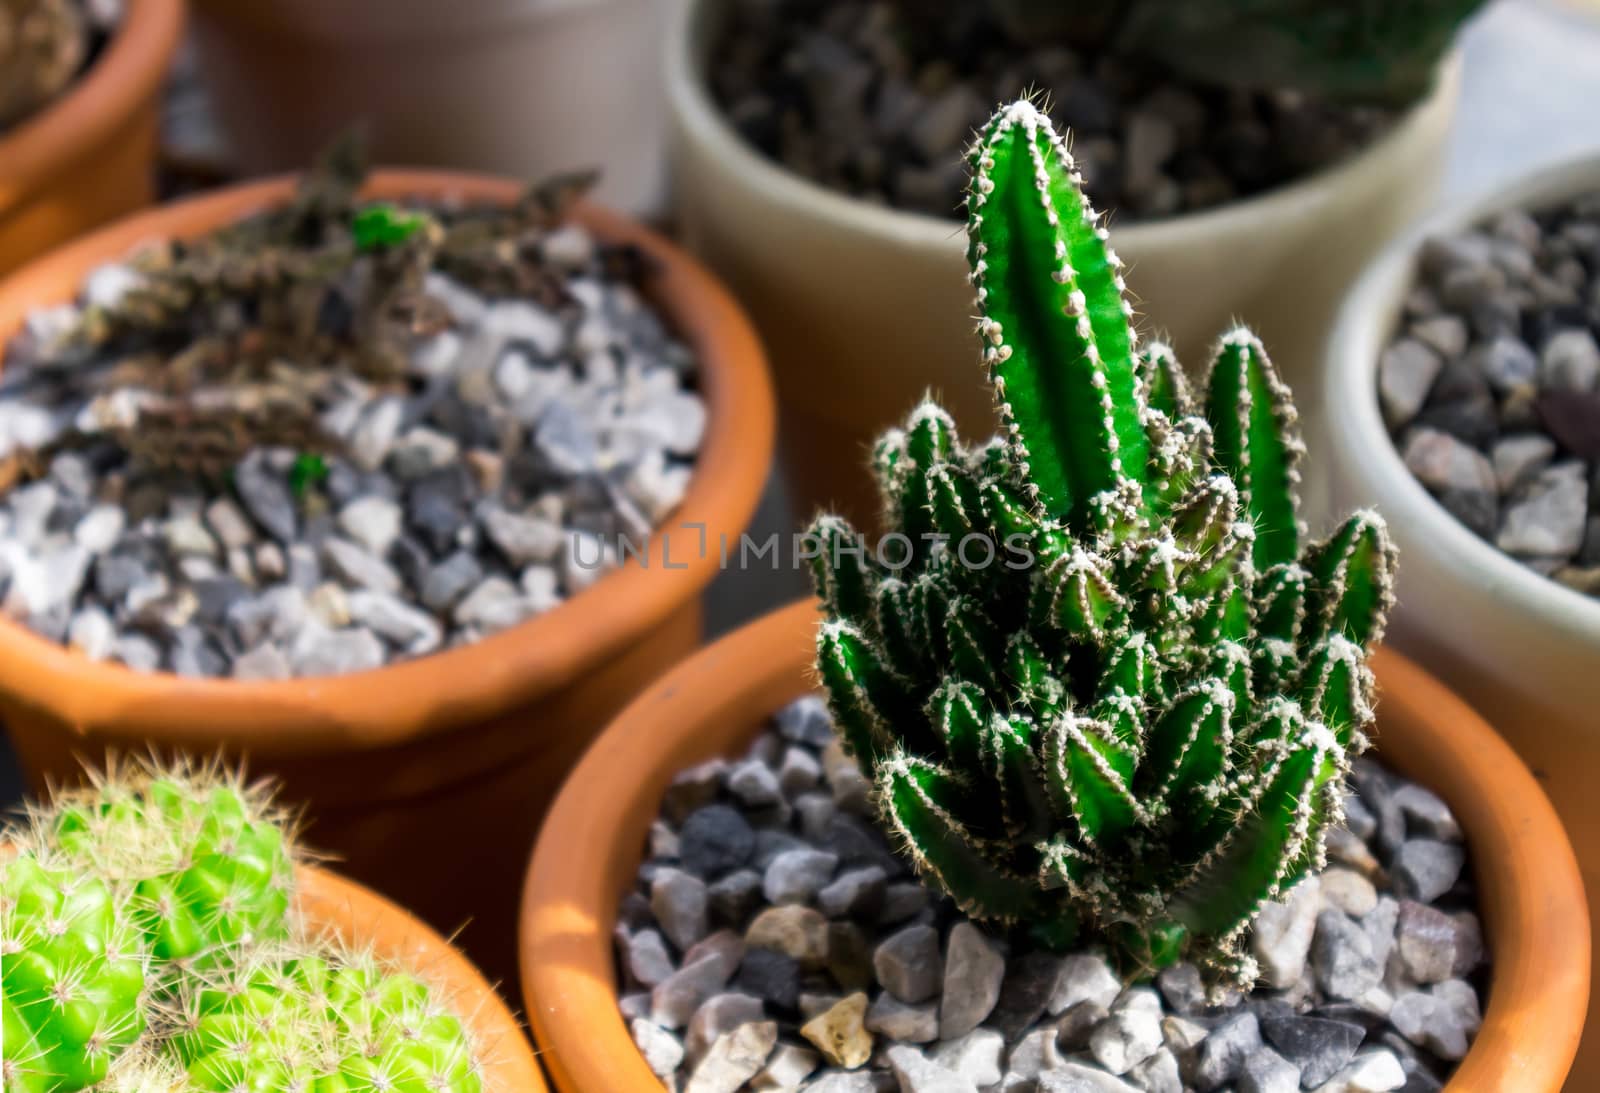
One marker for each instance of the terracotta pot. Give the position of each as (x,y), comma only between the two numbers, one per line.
(865,308)
(363,919)
(1536,920)
(426,778)
(89,157)
(517,87)
(1520,647)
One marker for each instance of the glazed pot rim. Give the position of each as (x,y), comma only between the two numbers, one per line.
(456,686)
(1360,333)
(1531,893)
(699,113)
(111,90)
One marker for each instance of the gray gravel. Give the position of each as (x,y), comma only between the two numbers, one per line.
(781,945)
(525,447)
(878,100)
(1491,386)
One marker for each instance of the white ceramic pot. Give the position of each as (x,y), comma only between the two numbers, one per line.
(864,308)
(1521,648)
(513,87)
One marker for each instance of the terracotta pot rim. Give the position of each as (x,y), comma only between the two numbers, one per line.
(1360,331)
(1536,916)
(506,669)
(693,104)
(105,96)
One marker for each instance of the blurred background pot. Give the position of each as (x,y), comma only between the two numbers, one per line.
(715,703)
(426,778)
(515,87)
(863,307)
(1524,650)
(89,156)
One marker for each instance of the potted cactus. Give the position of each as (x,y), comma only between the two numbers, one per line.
(1266,153)
(1497,595)
(79,84)
(376,482)
(161,932)
(1083,809)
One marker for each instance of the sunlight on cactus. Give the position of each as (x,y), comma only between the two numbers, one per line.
(207,860)
(293,1019)
(1132,725)
(74,984)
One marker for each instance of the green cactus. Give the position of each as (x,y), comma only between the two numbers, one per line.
(1132,724)
(208,861)
(299,1023)
(1363,50)
(72,977)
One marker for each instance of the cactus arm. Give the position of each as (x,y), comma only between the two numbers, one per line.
(921,802)
(930,603)
(1352,580)
(1187,749)
(1337,686)
(1080,597)
(975,643)
(862,694)
(930,441)
(1086,773)
(840,570)
(1007,750)
(954,503)
(1254,425)
(1162,384)
(958,713)
(1054,323)
(896,626)
(1228,886)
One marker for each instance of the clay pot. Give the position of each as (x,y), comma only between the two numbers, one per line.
(517,87)
(89,156)
(365,920)
(1535,917)
(1520,647)
(865,308)
(426,779)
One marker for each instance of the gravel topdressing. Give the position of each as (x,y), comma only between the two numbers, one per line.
(878,100)
(774,941)
(1491,386)
(491,482)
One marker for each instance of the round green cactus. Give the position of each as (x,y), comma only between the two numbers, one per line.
(1100,686)
(72,977)
(305,1024)
(207,860)
(395,1035)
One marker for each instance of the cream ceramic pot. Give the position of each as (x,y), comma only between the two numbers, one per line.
(864,308)
(515,87)
(1524,650)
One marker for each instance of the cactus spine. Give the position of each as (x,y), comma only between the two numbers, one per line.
(1132,725)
